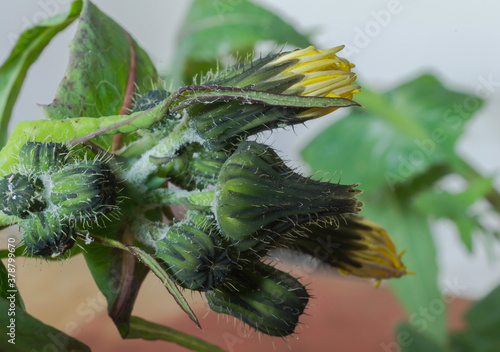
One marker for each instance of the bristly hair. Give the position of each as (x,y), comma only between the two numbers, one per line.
(234,64)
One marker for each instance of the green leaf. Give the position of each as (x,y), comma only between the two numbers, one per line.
(7,220)
(140,328)
(189,95)
(456,207)
(216,28)
(106,66)
(150,262)
(484,316)
(410,340)
(119,277)
(31,334)
(483,321)
(117,274)
(398,136)
(410,230)
(450,205)
(26,51)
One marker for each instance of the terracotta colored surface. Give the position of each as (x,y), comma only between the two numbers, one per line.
(347,315)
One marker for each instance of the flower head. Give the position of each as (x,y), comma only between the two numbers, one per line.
(305,73)
(353,245)
(322,73)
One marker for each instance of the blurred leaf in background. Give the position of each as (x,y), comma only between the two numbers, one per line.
(26,51)
(400,147)
(480,334)
(214,29)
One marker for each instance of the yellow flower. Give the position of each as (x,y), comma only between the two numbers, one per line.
(305,72)
(324,74)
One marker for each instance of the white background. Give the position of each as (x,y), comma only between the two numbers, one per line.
(389,41)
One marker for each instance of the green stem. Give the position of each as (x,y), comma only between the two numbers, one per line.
(470,174)
(140,328)
(195,200)
(7,220)
(149,261)
(378,104)
(166,148)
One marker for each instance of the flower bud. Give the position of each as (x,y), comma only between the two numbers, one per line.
(38,157)
(257,193)
(194,168)
(47,236)
(306,72)
(195,256)
(84,191)
(21,195)
(353,245)
(265,298)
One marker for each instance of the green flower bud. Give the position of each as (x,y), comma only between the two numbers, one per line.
(84,191)
(38,157)
(258,194)
(306,72)
(21,195)
(265,298)
(196,257)
(353,245)
(47,236)
(194,168)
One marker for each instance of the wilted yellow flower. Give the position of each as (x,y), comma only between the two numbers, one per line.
(353,245)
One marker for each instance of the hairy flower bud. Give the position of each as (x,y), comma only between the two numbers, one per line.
(196,257)
(194,168)
(84,191)
(265,298)
(21,195)
(257,193)
(306,72)
(353,245)
(47,236)
(38,157)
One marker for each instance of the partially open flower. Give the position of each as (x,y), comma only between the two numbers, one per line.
(307,72)
(353,245)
